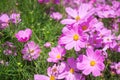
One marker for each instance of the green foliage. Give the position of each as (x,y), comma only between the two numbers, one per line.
(44,29)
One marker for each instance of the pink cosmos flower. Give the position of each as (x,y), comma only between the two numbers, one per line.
(105,11)
(71,70)
(108,41)
(117,67)
(83,12)
(4,21)
(56,54)
(31,51)
(47,44)
(55,72)
(88,25)
(93,62)
(56,15)
(15,18)
(73,38)
(95,42)
(9,48)
(116,7)
(24,35)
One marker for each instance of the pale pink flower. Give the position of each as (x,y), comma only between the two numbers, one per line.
(31,51)
(73,38)
(4,21)
(82,13)
(15,18)
(56,15)
(56,54)
(47,44)
(92,63)
(24,35)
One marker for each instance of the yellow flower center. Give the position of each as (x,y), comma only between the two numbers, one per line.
(92,63)
(54,70)
(108,39)
(72,70)
(84,27)
(77,18)
(31,51)
(58,56)
(76,37)
(52,77)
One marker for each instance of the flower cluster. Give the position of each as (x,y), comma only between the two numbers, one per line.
(89,36)
(5,19)
(9,48)
(31,50)
(115,67)
(86,33)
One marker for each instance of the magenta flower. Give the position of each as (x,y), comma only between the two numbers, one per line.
(83,12)
(73,38)
(4,21)
(15,18)
(56,15)
(31,51)
(93,62)
(56,54)
(24,35)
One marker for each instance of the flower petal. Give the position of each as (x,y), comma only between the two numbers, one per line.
(71,12)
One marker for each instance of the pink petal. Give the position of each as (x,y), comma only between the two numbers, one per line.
(71,12)
(101,66)
(81,66)
(68,21)
(40,77)
(90,52)
(70,45)
(83,10)
(87,71)
(96,72)
(77,48)
(66,39)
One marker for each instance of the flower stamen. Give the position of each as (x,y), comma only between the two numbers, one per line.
(76,37)
(92,63)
